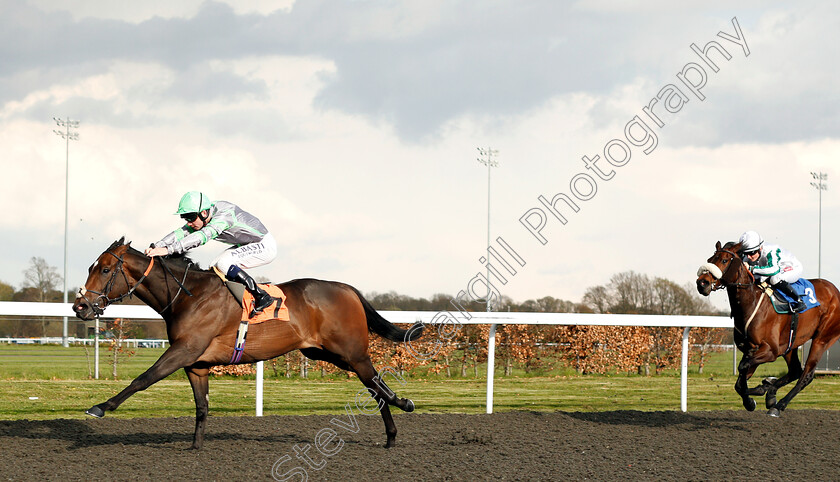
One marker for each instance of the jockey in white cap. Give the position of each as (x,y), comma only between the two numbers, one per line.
(772,263)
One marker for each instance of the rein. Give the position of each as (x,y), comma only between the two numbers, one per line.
(181,286)
(103,295)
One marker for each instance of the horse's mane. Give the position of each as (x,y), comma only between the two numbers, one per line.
(178,260)
(181,261)
(729,245)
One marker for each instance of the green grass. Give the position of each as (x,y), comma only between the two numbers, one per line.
(48,362)
(57,376)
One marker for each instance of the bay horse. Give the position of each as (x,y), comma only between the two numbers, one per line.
(763,335)
(329,321)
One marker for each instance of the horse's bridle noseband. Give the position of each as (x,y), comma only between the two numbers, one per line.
(103,295)
(719,282)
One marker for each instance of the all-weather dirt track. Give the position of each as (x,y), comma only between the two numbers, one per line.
(628,445)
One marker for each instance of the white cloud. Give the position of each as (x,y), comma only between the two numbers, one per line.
(356,144)
(136,12)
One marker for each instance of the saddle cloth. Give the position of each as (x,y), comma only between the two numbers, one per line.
(276,311)
(805,290)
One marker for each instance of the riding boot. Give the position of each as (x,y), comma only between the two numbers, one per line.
(797,305)
(262,300)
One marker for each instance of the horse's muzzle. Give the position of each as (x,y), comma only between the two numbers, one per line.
(704,287)
(83,310)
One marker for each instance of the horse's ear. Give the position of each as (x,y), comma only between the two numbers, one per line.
(120,241)
(717,246)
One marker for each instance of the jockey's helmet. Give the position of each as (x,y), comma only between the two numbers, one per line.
(750,242)
(194,202)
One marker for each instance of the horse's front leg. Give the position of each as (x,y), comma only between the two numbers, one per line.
(745,371)
(749,362)
(175,357)
(201,389)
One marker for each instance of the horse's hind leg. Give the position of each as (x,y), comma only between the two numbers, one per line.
(807,375)
(773,385)
(384,397)
(388,395)
(201,390)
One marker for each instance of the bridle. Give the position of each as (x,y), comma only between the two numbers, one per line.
(719,281)
(99,309)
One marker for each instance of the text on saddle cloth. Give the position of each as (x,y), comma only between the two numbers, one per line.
(276,311)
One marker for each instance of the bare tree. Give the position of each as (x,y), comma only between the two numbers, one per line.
(44,281)
(633,293)
(598,298)
(120,331)
(43,277)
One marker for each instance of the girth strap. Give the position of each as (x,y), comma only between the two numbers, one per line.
(794,322)
(239,347)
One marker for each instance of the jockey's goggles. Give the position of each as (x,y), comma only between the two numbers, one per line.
(189,217)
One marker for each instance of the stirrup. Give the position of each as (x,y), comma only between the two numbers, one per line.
(798,306)
(265,302)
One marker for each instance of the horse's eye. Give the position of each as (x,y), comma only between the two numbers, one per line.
(725,261)
(106,270)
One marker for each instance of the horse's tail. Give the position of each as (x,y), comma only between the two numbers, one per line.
(384,328)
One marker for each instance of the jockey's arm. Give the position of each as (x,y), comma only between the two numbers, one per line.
(184,239)
(768,266)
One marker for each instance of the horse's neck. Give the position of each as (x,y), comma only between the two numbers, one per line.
(743,301)
(163,286)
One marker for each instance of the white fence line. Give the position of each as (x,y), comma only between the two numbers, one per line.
(409,317)
(57,340)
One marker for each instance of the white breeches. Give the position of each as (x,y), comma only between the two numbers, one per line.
(248,256)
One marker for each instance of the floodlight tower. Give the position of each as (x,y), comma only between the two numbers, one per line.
(820,185)
(68,136)
(487,158)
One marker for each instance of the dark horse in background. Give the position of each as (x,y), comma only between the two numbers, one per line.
(763,335)
(329,321)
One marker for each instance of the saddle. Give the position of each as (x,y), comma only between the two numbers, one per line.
(781,302)
(275,311)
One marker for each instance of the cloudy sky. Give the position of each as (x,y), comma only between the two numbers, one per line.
(351,129)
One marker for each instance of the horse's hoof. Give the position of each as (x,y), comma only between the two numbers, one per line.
(774,412)
(409,406)
(95,411)
(749,404)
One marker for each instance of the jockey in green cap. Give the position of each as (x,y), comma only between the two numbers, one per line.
(252,244)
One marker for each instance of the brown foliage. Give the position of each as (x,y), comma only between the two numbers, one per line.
(598,349)
(236,370)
